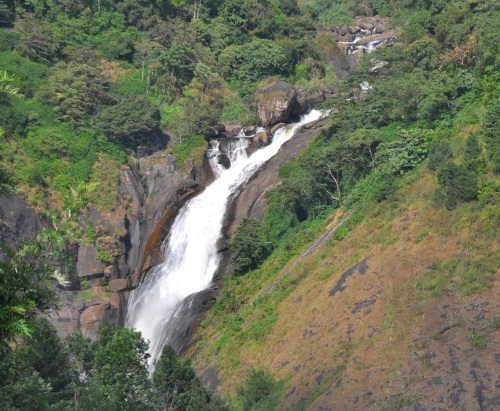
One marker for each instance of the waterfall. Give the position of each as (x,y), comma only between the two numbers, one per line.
(159,307)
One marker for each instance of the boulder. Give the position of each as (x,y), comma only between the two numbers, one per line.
(224,160)
(120,284)
(99,312)
(232,128)
(250,130)
(275,103)
(261,137)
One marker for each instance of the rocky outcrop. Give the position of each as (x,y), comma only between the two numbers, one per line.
(344,46)
(278,101)
(18,221)
(251,200)
(127,238)
(275,103)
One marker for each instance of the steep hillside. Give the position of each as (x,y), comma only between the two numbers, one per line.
(400,312)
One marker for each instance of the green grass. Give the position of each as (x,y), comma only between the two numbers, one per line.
(478,340)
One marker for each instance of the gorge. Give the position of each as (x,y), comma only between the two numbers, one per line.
(167,244)
(158,306)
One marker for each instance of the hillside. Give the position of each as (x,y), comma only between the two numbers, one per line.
(401,313)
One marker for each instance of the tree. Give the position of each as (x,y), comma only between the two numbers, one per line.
(119,373)
(439,153)
(7,12)
(130,120)
(402,154)
(5,179)
(457,184)
(45,353)
(37,41)
(25,289)
(250,246)
(75,90)
(472,155)
(22,387)
(261,391)
(28,280)
(176,385)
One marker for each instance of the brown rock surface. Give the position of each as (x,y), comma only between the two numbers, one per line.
(120,284)
(275,103)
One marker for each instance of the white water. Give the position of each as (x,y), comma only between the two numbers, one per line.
(190,251)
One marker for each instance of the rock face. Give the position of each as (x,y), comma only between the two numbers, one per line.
(17,221)
(275,103)
(278,101)
(343,46)
(151,190)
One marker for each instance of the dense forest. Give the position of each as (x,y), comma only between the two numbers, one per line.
(84,84)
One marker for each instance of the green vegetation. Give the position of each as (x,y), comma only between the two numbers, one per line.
(250,246)
(96,77)
(108,374)
(432,105)
(81,82)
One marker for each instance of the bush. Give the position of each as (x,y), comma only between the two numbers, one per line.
(129,121)
(250,247)
(457,184)
(192,147)
(261,391)
(439,153)
(403,154)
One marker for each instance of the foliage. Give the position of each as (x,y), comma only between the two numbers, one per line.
(261,391)
(439,153)
(176,385)
(402,154)
(191,148)
(131,119)
(250,246)
(457,183)
(119,371)
(5,182)
(75,90)
(27,286)
(253,61)
(108,374)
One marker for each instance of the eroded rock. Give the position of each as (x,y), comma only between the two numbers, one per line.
(275,103)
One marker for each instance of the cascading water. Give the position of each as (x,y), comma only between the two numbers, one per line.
(160,305)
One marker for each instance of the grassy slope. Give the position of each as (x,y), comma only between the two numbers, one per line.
(421,325)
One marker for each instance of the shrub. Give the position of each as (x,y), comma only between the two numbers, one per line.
(250,247)
(457,184)
(261,391)
(439,153)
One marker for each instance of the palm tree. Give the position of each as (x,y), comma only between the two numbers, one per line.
(6,86)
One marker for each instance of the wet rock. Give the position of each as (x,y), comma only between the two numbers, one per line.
(224,160)
(251,201)
(276,127)
(262,137)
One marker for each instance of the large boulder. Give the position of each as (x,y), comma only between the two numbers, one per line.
(275,103)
